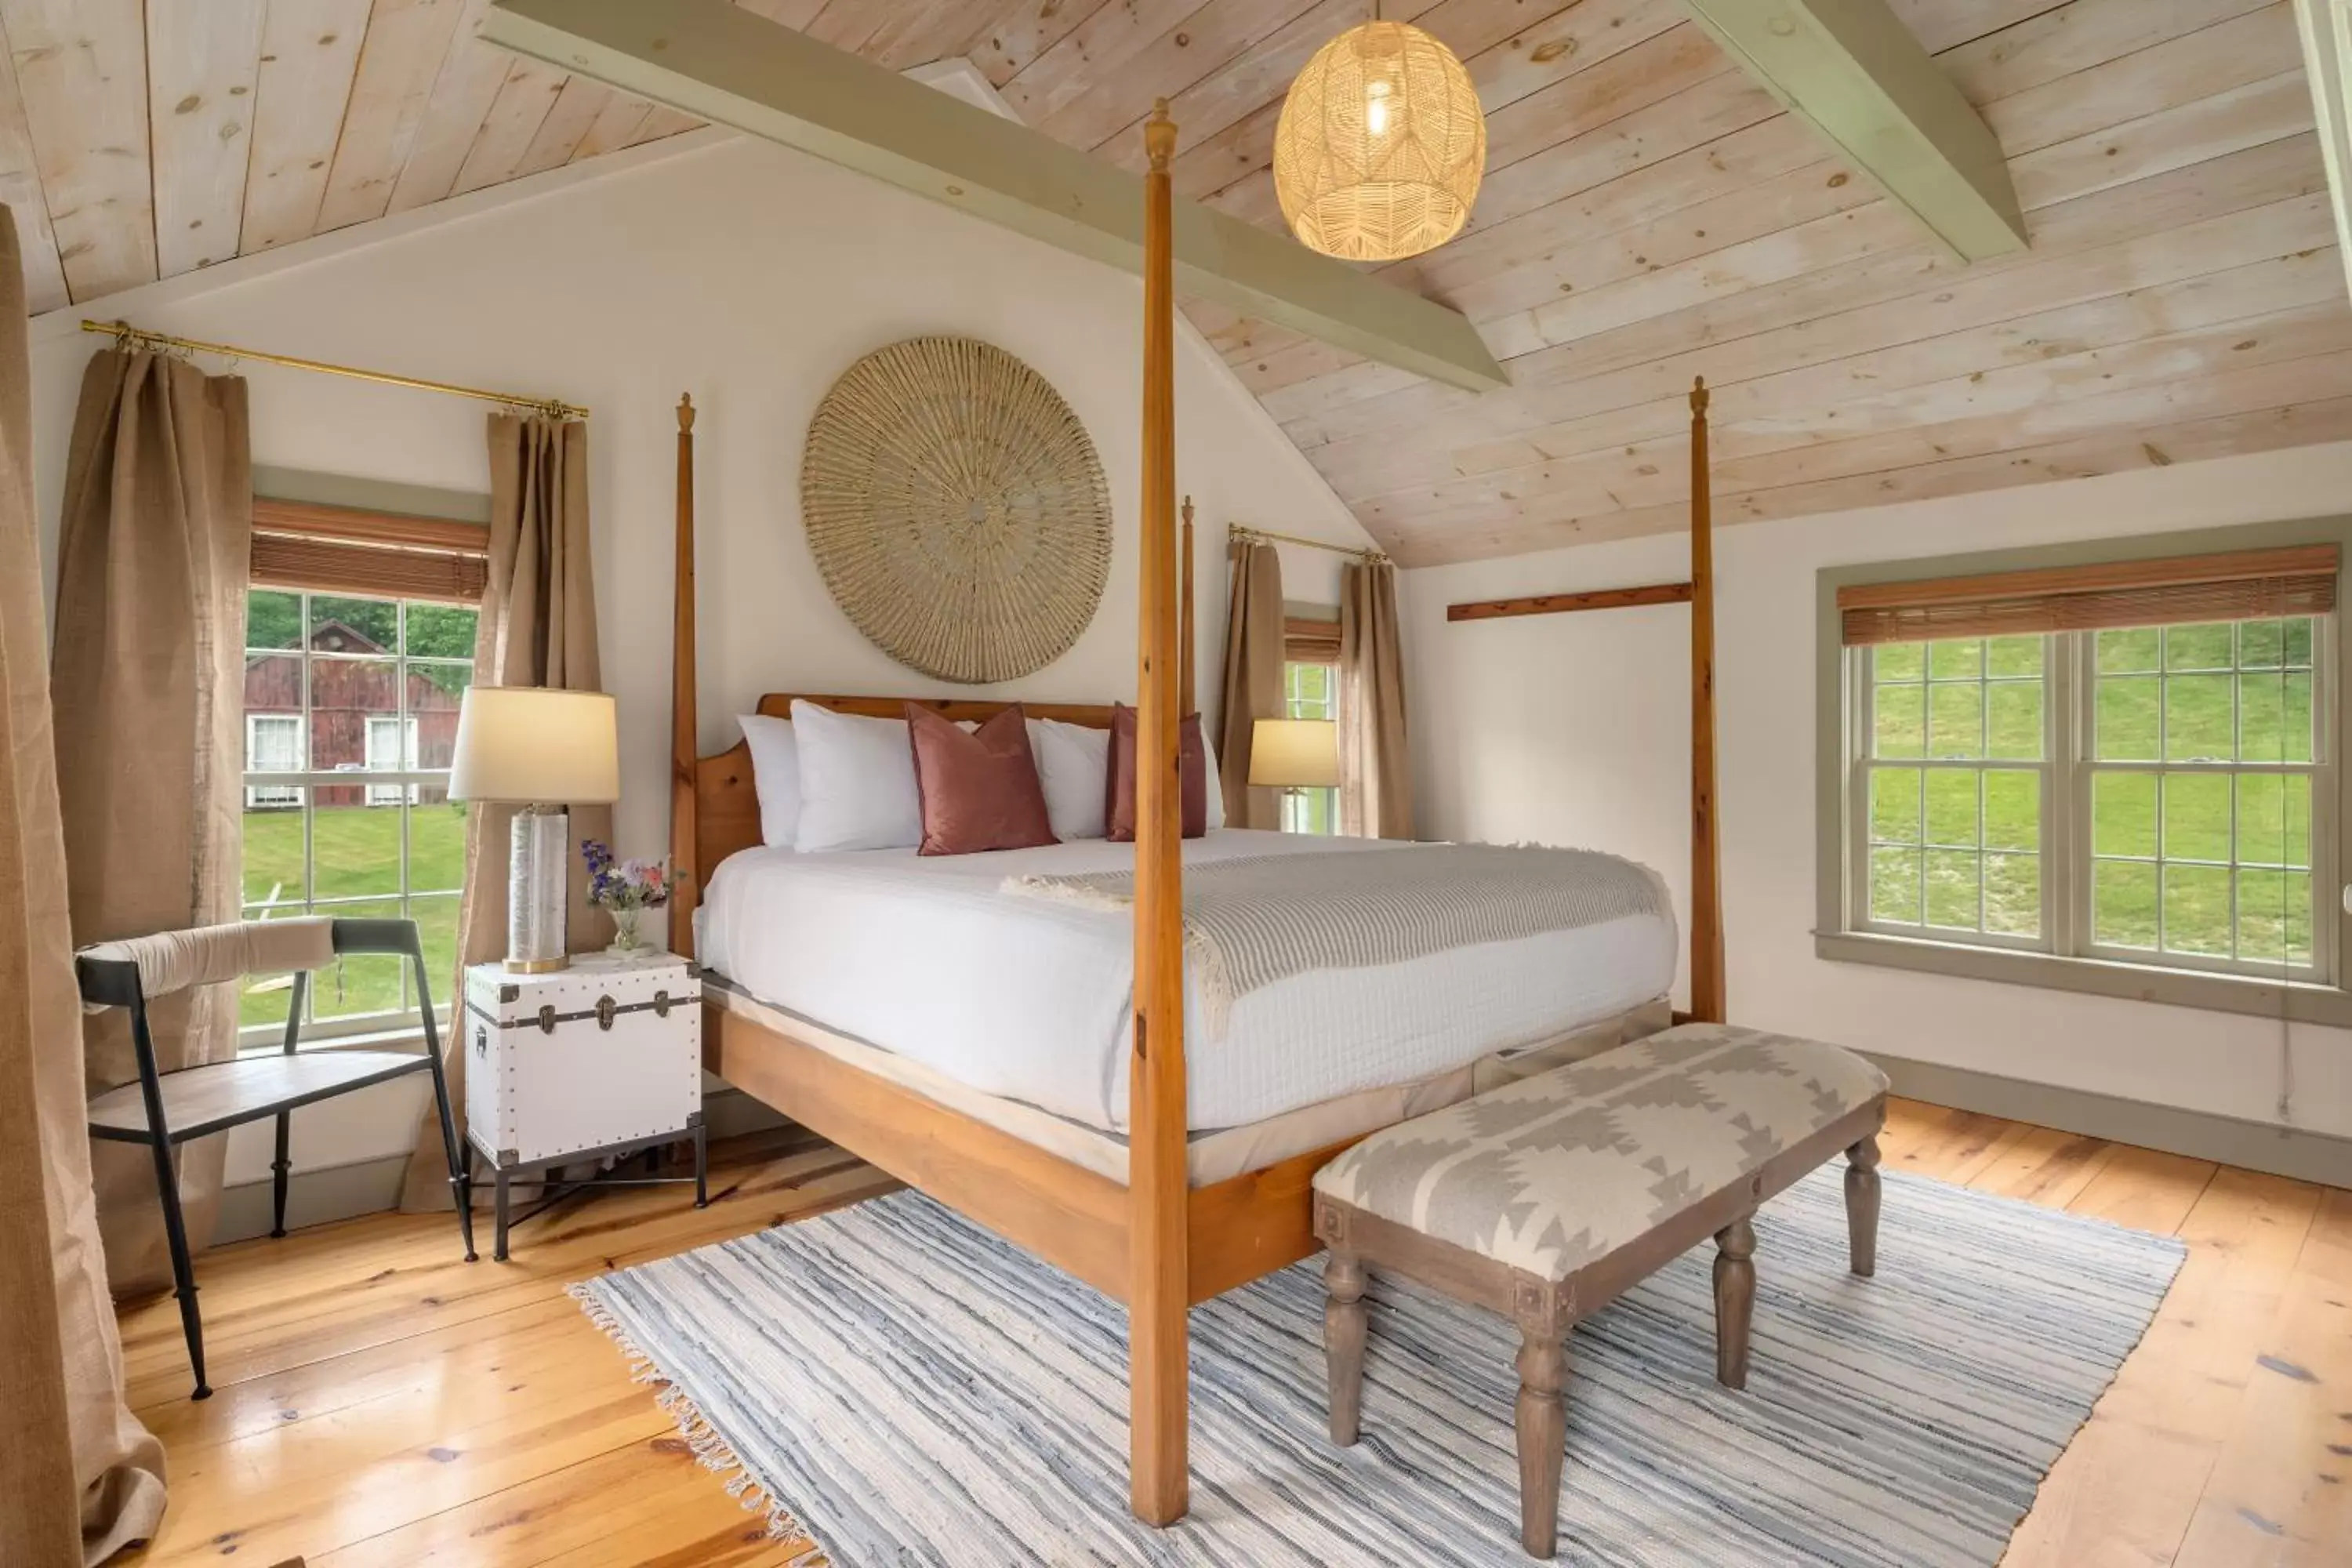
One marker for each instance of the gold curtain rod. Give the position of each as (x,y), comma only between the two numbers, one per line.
(1268,536)
(125,335)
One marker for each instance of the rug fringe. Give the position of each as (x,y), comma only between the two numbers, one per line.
(711,1449)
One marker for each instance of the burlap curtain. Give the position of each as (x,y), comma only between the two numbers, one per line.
(148,680)
(538,627)
(80,1477)
(1254,656)
(1375,771)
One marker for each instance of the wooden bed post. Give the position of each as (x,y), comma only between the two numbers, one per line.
(1157,1268)
(686,884)
(1706,864)
(1189,703)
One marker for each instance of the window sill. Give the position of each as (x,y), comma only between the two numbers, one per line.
(406,1036)
(2302,1003)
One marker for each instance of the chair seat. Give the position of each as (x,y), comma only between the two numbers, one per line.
(201,1100)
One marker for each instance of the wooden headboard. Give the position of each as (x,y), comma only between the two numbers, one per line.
(726,805)
(714,810)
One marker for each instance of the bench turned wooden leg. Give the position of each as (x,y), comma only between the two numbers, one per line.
(1542,1422)
(1735,1300)
(1343,1342)
(1862,1206)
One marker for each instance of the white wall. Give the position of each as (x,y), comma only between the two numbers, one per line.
(1575,730)
(750,277)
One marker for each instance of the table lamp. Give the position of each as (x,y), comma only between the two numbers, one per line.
(1292,755)
(541,749)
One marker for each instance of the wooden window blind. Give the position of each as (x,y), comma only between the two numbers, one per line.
(334,550)
(1310,641)
(2237,585)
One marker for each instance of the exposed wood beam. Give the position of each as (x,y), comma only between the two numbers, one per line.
(2326,30)
(713,61)
(1565,604)
(1853,70)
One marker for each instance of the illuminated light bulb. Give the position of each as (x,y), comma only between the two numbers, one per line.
(1376,108)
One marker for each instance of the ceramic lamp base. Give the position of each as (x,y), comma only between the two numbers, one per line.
(536,891)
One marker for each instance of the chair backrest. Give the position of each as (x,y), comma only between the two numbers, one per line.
(168,961)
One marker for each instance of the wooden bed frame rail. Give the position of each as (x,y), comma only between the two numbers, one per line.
(1157,1245)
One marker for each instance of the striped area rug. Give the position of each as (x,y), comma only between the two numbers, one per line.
(908,1389)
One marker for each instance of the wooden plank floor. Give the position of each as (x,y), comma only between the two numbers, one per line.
(378,1402)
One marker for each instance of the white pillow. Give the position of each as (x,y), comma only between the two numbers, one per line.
(858,783)
(1074,766)
(775,775)
(1216,792)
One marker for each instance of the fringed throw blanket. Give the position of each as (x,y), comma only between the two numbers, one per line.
(1252,920)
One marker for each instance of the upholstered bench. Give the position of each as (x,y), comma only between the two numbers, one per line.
(1545,1199)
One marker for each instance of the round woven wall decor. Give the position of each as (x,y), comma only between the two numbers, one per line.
(957,510)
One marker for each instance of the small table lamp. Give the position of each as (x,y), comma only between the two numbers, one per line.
(539,749)
(1293,754)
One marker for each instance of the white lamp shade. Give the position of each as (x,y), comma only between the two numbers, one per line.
(1295,754)
(530,745)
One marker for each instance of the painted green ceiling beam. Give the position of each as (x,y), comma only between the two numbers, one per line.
(712,59)
(1853,71)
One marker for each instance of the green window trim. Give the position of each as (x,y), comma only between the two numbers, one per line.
(1844,935)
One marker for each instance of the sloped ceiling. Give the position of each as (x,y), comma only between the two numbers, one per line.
(1649,214)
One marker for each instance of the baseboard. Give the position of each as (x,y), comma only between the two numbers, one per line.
(2309,1156)
(372,1186)
(312,1197)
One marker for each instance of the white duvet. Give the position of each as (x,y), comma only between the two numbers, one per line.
(1029,998)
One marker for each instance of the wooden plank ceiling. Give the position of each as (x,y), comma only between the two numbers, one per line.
(1649,214)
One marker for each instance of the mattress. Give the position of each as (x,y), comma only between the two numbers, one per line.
(1214,1154)
(1029,999)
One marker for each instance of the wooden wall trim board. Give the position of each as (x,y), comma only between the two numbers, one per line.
(1566,603)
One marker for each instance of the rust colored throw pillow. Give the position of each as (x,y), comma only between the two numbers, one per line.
(978,789)
(1192,772)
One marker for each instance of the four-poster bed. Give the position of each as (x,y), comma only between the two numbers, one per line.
(1158,1241)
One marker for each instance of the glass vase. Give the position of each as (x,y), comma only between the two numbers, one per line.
(630,938)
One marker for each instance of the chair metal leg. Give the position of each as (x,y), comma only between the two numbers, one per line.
(280,1169)
(183,1271)
(461,1181)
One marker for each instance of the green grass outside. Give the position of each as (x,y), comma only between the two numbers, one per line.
(357,855)
(2193,693)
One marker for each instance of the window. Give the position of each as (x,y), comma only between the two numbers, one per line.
(351,718)
(273,744)
(1310,690)
(2117,765)
(385,753)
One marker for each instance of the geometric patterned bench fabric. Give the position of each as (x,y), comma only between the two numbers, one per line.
(1559,1171)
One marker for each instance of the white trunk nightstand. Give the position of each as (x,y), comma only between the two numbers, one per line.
(601,1059)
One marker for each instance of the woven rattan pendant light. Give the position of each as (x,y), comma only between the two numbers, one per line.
(1380,146)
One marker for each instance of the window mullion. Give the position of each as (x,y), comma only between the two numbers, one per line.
(2068,736)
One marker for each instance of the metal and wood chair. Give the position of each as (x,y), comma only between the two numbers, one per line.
(163,1110)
